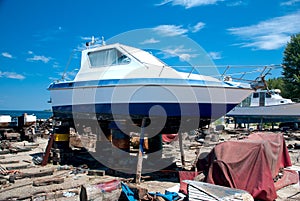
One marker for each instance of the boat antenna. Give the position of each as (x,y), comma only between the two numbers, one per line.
(87,44)
(103,41)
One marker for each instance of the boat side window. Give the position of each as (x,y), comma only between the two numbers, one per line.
(107,57)
(255,95)
(268,95)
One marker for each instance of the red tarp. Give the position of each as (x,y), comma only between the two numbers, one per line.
(169,137)
(249,164)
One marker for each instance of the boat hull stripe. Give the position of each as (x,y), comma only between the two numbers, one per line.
(142,81)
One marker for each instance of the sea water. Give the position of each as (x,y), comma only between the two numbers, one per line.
(38,114)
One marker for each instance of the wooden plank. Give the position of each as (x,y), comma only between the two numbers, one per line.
(181,150)
(35,174)
(48,149)
(48,181)
(140,155)
(9,162)
(96,172)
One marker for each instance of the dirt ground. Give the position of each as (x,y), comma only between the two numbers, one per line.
(22,163)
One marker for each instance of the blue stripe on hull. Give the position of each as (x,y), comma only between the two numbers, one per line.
(205,111)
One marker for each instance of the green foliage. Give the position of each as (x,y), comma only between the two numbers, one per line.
(291,70)
(276,83)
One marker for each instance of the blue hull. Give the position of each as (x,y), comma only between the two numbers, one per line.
(206,110)
(175,113)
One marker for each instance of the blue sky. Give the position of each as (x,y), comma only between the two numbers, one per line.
(38,37)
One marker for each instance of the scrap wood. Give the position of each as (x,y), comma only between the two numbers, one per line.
(96,172)
(8,162)
(106,191)
(138,191)
(15,187)
(48,181)
(41,173)
(55,194)
(13,168)
(205,191)
(48,149)
(3,170)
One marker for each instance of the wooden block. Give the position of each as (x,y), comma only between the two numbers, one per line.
(96,172)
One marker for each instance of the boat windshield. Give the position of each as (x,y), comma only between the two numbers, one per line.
(108,57)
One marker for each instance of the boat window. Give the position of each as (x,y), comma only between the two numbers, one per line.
(107,57)
(268,95)
(255,95)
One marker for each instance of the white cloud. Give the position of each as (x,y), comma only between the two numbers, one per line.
(198,27)
(150,41)
(180,51)
(38,58)
(236,3)
(69,75)
(189,3)
(7,55)
(56,65)
(270,34)
(289,3)
(11,75)
(215,55)
(170,30)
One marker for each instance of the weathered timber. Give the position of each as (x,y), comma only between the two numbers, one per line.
(138,191)
(56,195)
(17,167)
(48,181)
(41,173)
(48,149)
(9,162)
(104,191)
(96,172)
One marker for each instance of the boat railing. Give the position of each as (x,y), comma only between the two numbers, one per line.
(245,73)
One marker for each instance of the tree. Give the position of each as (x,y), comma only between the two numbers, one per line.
(291,67)
(276,83)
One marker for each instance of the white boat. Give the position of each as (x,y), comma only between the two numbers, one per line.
(119,82)
(265,98)
(5,120)
(26,120)
(266,106)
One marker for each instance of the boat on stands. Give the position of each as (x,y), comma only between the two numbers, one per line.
(26,120)
(117,82)
(5,120)
(266,106)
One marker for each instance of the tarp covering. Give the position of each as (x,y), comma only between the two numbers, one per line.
(169,137)
(249,164)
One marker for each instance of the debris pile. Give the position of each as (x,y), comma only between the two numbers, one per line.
(22,176)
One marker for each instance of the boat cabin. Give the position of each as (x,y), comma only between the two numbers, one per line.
(265,98)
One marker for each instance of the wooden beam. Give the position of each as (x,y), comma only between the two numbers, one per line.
(181,150)
(48,149)
(140,155)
